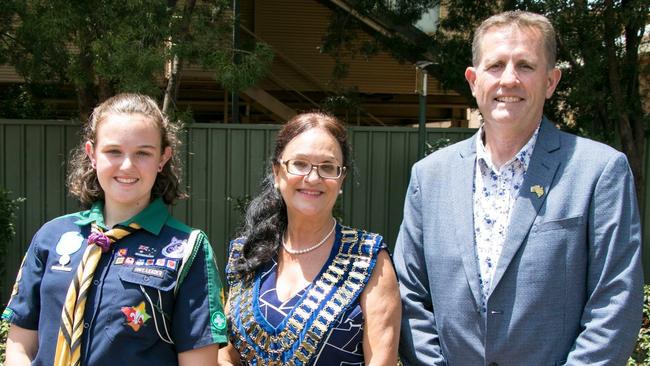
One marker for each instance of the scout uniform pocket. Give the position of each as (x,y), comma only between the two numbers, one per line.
(155,303)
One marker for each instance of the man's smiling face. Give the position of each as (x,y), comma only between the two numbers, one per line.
(513,78)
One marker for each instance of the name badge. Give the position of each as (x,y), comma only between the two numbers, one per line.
(149,271)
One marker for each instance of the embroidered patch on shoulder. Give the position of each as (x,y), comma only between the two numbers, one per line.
(149,271)
(136,316)
(219,320)
(7,314)
(175,248)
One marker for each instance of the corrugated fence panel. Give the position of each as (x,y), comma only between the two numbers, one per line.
(218,192)
(12,157)
(398,176)
(223,201)
(199,183)
(55,155)
(223,165)
(377,191)
(32,165)
(373,198)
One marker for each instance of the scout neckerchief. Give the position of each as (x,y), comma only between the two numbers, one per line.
(68,346)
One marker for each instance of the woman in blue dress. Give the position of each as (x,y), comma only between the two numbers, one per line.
(305,289)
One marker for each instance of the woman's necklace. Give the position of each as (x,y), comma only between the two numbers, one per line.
(307,250)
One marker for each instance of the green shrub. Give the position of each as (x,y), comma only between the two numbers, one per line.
(4,329)
(8,208)
(641,354)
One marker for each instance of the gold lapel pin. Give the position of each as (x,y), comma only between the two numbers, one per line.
(538,190)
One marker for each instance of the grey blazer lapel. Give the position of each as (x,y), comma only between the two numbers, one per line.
(463,178)
(541,170)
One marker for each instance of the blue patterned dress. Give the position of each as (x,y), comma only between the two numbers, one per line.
(321,325)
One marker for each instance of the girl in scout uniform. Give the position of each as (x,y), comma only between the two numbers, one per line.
(122,283)
(304,289)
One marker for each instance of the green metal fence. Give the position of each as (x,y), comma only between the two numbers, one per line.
(224,164)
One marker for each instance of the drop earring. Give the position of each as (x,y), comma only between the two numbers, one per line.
(276,186)
(160,168)
(340,191)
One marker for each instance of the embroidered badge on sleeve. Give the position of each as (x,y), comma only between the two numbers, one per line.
(219,320)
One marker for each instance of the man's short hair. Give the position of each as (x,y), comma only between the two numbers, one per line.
(519,19)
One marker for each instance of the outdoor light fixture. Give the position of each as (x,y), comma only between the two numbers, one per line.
(421,88)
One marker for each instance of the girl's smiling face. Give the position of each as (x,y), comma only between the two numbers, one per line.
(127,157)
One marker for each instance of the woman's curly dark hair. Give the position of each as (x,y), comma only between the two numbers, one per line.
(82,178)
(266,215)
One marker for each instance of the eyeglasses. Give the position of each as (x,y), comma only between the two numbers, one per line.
(303,168)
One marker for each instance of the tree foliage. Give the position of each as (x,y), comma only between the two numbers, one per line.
(641,354)
(8,209)
(106,46)
(599,52)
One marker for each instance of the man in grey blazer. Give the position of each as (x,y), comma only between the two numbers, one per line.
(520,245)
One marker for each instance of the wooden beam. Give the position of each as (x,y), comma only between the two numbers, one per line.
(269,102)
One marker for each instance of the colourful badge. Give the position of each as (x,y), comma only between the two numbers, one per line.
(219,320)
(146,251)
(122,252)
(119,261)
(160,262)
(129,260)
(538,190)
(171,264)
(175,248)
(149,262)
(7,314)
(139,262)
(136,316)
